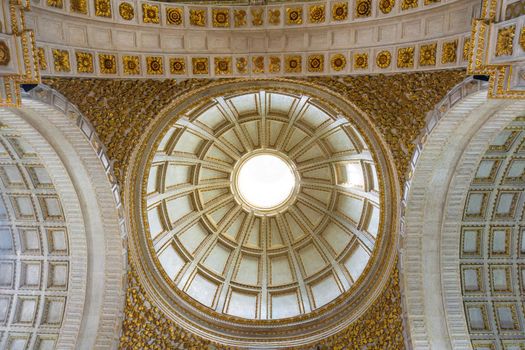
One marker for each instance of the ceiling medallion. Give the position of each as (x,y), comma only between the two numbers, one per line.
(259,213)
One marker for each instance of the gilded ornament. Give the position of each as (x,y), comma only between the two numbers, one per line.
(363,8)
(449,54)
(405,57)
(340,11)
(258,64)
(257,16)
(386,6)
(361,60)
(316,13)
(55,3)
(198,17)
(294,15)
(174,15)
(223,65)
(274,16)
(315,63)
(177,65)
(466,49)
(42,62)
(84,62)
(154,65)
(427,55)
(126,11)
(430,2)
(522,38)
(292,64)
(79,6)
(131,65)
(5,57)
(61,60)
(338,62)
(221,17)
(103,8)
(408,4)
(504,43)
(275,64)
(242,64)
(200,65)
(383,59)
(150,13)
(107,63)
(239,17)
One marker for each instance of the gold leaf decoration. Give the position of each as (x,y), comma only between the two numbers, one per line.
(107,63)
(103,8)
(5,56)
(239,17)
(61,60)
(258,64)
(340,11)
(383,59)
(79,6)
(223,65)
(177,65)
(55,3)
(427,54)
(42,61)
(131,65)
(360,60)
(200,65)
(338,62)
(257,16)
(126,11)
(274,16)
(84,62)
(198,17)
(275,64)
(363,8)
(154,65)
(449,54)
(316,63)
(522,38)
(221,17)
(504,43)
(408,4)
(386,6)
(316,13)
(174,15)
(150,14)
(405,57)
(294,15)
(242,64)
(293,64)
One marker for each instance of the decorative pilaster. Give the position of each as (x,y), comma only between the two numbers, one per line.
(18,53)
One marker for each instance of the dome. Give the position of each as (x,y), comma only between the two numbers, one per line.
(265,201)
(262,207)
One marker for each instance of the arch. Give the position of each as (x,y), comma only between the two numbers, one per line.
(459,131)
(82,175)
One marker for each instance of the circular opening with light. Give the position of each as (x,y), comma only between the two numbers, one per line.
(265,181)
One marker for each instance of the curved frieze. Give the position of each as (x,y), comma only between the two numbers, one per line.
(149,44)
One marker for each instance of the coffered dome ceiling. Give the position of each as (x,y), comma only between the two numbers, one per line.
(217,240)
(262,208)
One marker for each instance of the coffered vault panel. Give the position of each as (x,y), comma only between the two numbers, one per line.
(272,264)
(93,38)
(492,251)
(34,248)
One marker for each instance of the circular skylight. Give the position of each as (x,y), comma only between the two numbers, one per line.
(265,181)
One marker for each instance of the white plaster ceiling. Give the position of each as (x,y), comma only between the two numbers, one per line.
(34,249)
(492,251)
(241,262)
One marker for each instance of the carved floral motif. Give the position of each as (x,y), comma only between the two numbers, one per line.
(504,43)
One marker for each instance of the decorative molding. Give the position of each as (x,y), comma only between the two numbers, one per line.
(19,62)
(495,50)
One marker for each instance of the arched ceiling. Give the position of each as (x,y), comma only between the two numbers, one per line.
(252,263)
(35,259)
(492,251)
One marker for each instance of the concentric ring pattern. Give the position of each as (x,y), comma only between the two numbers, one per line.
(262,265)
